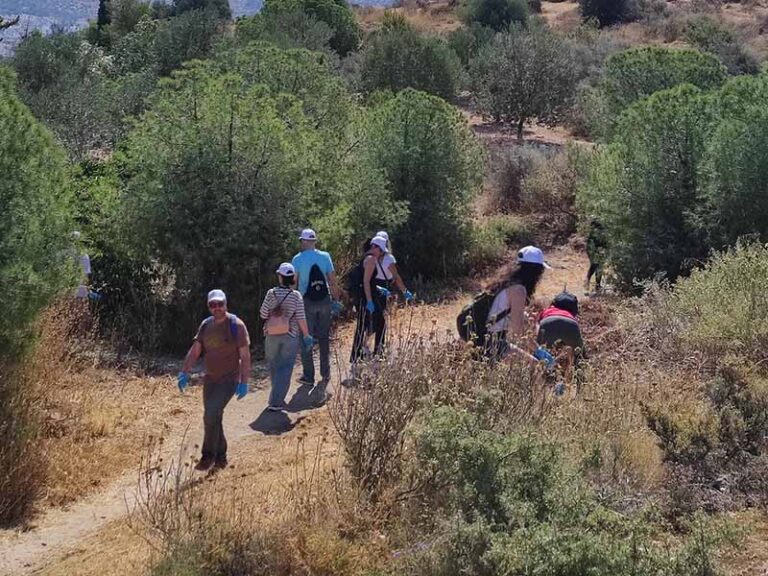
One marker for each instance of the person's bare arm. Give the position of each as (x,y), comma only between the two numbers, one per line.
(334,285)
(304,327)
(516,296)
(245,363)
(396,278)
(370,268)
(192,356)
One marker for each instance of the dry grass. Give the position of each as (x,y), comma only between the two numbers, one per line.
(433,18)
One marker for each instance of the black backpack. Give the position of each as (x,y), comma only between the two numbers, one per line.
(354,281)
(472,321)
(317,286)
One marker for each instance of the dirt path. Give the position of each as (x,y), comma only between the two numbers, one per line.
(61,534)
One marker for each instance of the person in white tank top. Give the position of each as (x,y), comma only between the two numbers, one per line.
(388,269)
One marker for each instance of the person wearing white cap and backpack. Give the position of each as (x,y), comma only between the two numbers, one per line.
(316,282)
(283,313)
(222,339)
(388,271)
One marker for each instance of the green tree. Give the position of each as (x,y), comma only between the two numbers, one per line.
(124,16)
(37,264)
(432,163)
(190,35)
(644,186)
(335,13)
(524,75)
(707,35)
(608,12)
(398,57)
(497,14)
(286,29)
(639,72)
(218,8)
(35,219)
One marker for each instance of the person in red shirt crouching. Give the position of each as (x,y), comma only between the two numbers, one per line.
(557,327)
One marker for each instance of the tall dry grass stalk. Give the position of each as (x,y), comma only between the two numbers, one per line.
(65,333)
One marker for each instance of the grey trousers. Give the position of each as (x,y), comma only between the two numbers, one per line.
(281,356)
(215,399)
(319,323)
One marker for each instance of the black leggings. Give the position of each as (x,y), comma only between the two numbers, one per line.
(367,323)
(596,270)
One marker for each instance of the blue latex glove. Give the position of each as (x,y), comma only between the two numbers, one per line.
(559,389)
(336,308)
(308,342)
(371,307)
(183,381)
(383,291)
(408,295)
(241,390)
(546,357)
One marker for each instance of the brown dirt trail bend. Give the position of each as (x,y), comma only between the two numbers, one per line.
(60,535)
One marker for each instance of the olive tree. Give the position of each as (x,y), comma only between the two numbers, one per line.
(524,75)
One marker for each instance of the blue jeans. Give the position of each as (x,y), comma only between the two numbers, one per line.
(319,323)
(281,356)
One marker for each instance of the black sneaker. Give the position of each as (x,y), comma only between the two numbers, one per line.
(277,408)
(220,464)
(306,382)
(203,464)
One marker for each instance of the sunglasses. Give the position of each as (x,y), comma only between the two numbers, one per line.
(215,304)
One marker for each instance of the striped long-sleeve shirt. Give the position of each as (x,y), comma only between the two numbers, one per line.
(291,304)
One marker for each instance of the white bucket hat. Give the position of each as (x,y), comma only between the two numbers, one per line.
(532,255)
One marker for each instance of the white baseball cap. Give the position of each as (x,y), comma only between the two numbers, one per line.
(381,242)
(383,234)
(532,255)
(308,234)
(217,296)
(286,269)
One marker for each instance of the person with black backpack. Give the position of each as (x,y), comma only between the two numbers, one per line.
(497,315)
(316,281)
(370,293)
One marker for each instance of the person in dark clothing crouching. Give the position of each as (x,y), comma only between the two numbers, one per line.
(558,328)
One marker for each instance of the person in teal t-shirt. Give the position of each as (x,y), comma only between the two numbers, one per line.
(316,281)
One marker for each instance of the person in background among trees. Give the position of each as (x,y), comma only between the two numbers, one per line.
(388,271)
(283,311)
(223,340)
(316,282)
(597,248)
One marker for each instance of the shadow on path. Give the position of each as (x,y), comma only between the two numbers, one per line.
(274,423)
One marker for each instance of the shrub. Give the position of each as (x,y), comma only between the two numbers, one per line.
(511,166)
(336,14)
(511,504)
(38,262)
(398,57)
(467,41)
(536,60)
(636,73)
(492,239)
(645,196)
(722,307)
(497,14)
(608,12)
(223,142)
(286,29)
(188,36)
(432,163)
(215,8)
(709,36)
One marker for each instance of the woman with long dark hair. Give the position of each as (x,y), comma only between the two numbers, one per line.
(514,287)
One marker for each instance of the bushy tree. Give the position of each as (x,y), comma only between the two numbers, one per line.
(398,57)
(285,29)
(218,8)
(639,72)
(709,36)
(644,187)
(524,74)
(253,146)
(432,162)
(124,15)
(35,218)
(607,12)
(188,36)
(497,14)
(335,13)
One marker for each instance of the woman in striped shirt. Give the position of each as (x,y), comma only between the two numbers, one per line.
(283,314)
